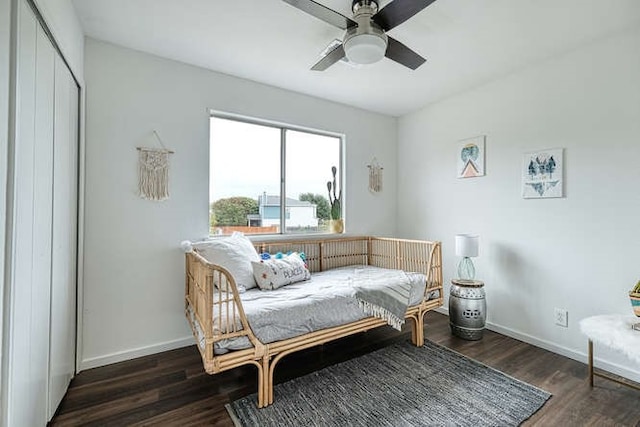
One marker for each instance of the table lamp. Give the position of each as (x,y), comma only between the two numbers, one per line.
(466,247)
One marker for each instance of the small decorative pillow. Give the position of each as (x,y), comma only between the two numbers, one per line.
(274,273)
(235,253)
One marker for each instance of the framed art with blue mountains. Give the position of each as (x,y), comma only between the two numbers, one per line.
(542,174)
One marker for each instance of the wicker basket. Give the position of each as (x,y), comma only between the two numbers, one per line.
(635,302)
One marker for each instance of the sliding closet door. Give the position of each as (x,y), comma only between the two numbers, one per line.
(43,200)
(43,206)
(65,207)
(30,283)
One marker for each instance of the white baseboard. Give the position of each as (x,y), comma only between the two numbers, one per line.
(443,310)
(615,368)
(94,362)
(580,356)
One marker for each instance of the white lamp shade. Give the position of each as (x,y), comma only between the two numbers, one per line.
(467,245)
(365,48)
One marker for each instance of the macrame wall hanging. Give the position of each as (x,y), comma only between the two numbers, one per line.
(153,171)
(375,176)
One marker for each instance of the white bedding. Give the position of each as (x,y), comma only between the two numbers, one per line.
(326,300)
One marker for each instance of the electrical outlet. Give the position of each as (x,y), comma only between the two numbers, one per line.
(562,317)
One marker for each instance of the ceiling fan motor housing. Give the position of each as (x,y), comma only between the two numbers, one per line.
(365,43)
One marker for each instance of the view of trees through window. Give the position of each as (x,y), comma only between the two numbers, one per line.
(248,163)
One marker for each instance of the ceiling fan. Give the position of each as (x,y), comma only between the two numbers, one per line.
(365,40)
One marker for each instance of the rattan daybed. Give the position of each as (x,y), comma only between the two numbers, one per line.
(212,291)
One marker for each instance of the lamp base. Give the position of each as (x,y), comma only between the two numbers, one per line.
(466,270)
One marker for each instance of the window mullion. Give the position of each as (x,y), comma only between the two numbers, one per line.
(283,185)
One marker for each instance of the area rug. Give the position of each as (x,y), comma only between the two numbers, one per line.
(400,385)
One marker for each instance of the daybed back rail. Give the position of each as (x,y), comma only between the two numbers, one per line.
(323,254)
(409,255)
(400,254)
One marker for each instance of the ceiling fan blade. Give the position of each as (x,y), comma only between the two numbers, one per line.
(403,55)
(398,11)
(329,59)
(323,13)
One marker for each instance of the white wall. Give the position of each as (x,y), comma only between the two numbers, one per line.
(134,270)
(579,252)
(63,22)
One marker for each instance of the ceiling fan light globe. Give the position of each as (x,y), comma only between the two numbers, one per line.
(365,48)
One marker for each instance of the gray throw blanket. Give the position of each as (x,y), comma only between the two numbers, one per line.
(384,295)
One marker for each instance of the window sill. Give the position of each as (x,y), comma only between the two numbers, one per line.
(290,237)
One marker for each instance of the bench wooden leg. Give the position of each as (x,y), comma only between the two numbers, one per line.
(593,373)
(590,363)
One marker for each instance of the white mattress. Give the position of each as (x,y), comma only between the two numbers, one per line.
(324,301)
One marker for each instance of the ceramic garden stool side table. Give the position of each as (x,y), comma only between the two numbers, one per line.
(613,331)
(467,308)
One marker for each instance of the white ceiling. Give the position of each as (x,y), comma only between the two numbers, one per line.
(466,42)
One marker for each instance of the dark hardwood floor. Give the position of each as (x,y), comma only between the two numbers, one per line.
(171,388)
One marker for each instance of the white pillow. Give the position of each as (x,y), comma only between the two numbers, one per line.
(274,273)
(235,253)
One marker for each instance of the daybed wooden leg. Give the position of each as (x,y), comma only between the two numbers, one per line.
(272,368)
(270,385)
(419,324)
(417,329)
(420,330)
(263,384)
(414,330)
(260,385)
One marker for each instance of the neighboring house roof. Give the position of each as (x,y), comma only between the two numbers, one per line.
(275,201)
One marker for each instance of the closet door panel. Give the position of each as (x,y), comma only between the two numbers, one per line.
(42,221)
(19,377)
(65,196)
(31,258)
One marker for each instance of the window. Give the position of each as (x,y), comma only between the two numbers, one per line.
(254,166)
